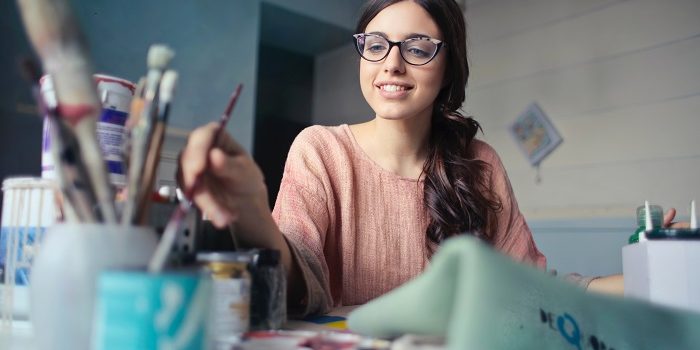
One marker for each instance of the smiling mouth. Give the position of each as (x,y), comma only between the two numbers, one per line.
(394,88)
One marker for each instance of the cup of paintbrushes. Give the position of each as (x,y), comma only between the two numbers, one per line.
(168,310)
(64,275)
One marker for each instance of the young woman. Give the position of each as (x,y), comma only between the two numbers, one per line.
(362,207)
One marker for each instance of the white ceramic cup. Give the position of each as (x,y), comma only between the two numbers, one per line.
(64,275)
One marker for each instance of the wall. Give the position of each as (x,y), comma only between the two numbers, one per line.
(283,109)
(216,45)
(619,79)
(20,128)
(337,97)
(342,13)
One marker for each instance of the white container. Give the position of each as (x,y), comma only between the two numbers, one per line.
(230,298)
(28,209)
(65,273)
(115,95)
(663,272)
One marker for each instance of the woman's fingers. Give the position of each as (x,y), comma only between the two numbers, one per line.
(230,177)
(226,183)
(194,156)
(668,220)
(668,217)
(218,215)
(240,173)
(224,166)
(216,202)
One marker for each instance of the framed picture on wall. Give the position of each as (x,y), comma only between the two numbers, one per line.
(535,134)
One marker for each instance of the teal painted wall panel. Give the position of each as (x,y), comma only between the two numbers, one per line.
(215,43)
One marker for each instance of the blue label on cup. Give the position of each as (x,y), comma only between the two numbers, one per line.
(17,248)
(138,310)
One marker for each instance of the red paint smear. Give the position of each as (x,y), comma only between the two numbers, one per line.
(74,114)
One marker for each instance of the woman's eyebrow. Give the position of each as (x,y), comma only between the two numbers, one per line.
(378,33)
(408,36)
(418,35)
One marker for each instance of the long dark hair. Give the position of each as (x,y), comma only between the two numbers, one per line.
(456,191)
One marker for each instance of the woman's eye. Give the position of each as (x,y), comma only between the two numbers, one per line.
(376,48)
(418,52)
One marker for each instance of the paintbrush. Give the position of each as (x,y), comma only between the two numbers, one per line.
(136,105)
(79,200)
(648,223)
(134,111)
(56,37)
(158,58)
(167,86)
(160,256)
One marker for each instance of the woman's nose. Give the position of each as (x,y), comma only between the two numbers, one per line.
(393,63)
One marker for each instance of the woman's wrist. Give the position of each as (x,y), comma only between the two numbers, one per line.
(255,226)
(613,284)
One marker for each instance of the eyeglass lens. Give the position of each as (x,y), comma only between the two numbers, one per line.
(414,50)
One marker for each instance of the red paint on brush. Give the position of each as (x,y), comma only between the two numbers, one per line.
(74,114)
(217,135)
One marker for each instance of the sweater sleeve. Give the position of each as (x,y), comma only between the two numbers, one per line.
(513,236)
(302,214)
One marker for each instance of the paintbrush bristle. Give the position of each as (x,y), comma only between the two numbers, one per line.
(159,56)
(167,86)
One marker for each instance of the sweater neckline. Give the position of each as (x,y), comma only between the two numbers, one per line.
(362,154)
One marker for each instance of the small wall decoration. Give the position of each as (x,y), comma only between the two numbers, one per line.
(535,135)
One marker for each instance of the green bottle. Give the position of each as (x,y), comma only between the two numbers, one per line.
(657,217)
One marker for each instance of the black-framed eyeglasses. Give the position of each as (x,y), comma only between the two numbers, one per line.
(416,51)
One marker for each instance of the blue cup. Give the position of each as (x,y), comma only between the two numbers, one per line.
(138,310)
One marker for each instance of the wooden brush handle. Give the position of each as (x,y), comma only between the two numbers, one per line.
(57,39)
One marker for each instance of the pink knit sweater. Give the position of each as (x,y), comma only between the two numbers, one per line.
(357,231)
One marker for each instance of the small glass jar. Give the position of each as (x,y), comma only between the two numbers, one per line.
(229,312)
(657,218)
(268,307)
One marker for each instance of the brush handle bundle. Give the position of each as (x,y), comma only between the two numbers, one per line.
(81,171)
(146,134)
(56,37)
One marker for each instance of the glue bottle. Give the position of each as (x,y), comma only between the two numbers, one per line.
(657,217)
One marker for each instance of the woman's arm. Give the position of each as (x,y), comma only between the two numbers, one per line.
(233,191)
(614,284)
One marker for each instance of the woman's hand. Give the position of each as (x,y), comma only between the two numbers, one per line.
(613,284)
(232,184)
(668,220)
(233,190)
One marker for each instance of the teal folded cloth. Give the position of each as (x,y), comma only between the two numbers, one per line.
(479,299)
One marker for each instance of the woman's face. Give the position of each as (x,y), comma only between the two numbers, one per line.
(418,86)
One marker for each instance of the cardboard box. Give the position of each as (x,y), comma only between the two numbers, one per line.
(665,272)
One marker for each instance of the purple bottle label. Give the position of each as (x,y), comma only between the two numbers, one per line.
(111,133)
(47,166)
